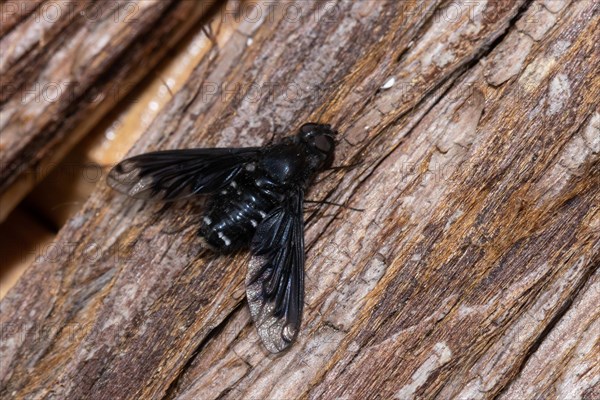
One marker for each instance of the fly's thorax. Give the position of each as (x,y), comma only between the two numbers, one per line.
(283,165)
(289,165)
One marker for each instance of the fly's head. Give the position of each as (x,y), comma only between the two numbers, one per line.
(319,139)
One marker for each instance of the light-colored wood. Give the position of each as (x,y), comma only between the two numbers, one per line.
(472,272)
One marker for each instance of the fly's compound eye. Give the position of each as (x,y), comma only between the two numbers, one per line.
(323,143)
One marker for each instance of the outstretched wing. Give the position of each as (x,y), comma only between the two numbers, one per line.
(275,279)
(173,174)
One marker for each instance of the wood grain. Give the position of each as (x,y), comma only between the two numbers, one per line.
(472,272)
(63,65)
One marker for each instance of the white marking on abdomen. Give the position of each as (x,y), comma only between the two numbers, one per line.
(224,238)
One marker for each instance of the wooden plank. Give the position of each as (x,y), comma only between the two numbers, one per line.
(70,183)
(66,188)
(478,247)
(64,64)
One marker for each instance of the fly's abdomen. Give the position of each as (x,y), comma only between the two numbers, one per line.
(234,215)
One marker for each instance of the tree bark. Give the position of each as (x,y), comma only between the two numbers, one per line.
(64,64)
(471,273)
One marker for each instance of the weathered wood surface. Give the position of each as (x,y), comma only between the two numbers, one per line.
(472,272)
(63,65)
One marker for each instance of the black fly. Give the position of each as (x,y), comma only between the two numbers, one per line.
(257,198)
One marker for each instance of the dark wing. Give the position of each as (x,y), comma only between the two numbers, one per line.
(275,280)
(173,174)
